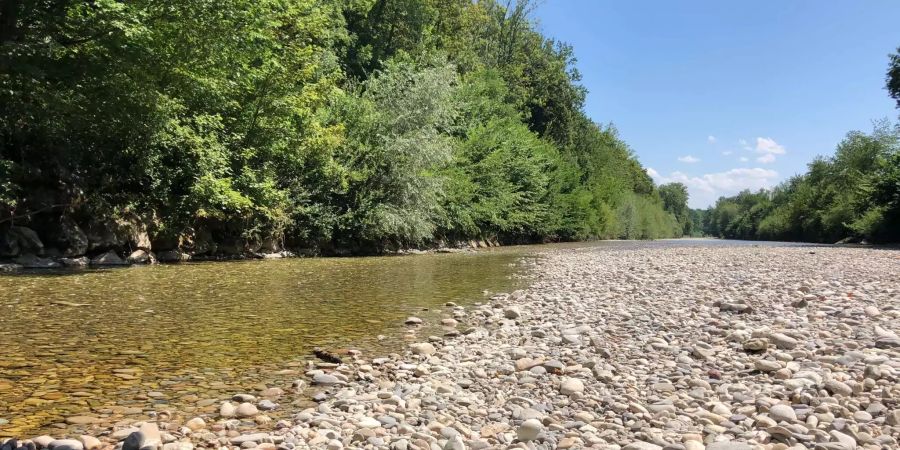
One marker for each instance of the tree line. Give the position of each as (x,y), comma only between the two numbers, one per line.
(851,196)
(334,125)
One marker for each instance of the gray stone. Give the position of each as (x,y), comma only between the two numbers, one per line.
(782,412)
(570,386)
(141,256)
(512,312)
(146,438)
(324,379)
(109,258)
(641,445)
(255,437)
(267,405)
(65,444)
(729,445)
(246,410)
(422,348)
(30,261)
(529,430)
(783,341)
(172,256)
(227,410)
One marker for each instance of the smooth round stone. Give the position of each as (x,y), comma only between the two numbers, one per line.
(246,410)
(369,422)
(267,405)
(422,348)
(196,424)
(325,379)
(570,386)
(765,365)
(782,412)
(227,410)
(65,444)
(529,430)
(90,442)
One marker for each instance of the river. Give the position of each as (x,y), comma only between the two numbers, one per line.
(123,344)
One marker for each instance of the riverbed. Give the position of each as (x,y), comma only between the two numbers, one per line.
(131,341)
(122,345)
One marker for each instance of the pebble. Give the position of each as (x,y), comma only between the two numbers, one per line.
(725,347)
(782,412)
(529,430)
(422,348)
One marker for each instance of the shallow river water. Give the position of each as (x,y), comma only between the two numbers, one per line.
(122,344)
(171,336)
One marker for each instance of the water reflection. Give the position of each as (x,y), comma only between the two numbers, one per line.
(175,335)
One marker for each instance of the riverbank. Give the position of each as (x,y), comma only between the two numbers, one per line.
(647,348)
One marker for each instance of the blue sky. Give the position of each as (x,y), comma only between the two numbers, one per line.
(727,95)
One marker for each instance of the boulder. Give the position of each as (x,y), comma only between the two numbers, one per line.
(19,241)
(109,258)
(172,256)
(122,234)
(81,261)
(104,236)
(141,256)
(203,243)
(135,234)
(162,242)
(5,267)
(71,238)
(30,261)
(270,246)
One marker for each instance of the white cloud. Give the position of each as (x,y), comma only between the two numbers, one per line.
(744,159)
(769,146)
(727,152)
(767,158)
(744,144)
(705,189)
(711,139)
(688,159)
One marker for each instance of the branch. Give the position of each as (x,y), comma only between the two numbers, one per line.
(37,211)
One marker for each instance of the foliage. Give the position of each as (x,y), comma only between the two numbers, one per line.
(675,197)
(854,194)
(893,77)
(358,125)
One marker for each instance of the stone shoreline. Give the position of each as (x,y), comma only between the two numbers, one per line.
(722,348)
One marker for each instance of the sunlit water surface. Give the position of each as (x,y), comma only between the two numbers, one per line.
(119,344)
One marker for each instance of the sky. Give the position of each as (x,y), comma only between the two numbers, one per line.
(728,95)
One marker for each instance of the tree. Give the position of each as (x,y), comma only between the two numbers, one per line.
(893,77)
(675,197)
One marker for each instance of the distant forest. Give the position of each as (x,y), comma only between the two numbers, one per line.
(851,196)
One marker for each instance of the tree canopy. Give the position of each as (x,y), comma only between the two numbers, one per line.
(331,125)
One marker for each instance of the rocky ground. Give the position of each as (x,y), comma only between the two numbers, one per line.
(664,348)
